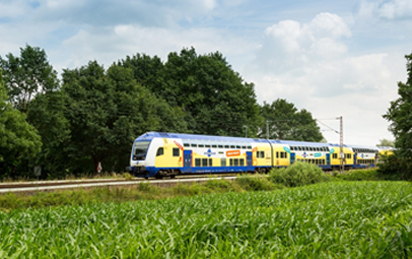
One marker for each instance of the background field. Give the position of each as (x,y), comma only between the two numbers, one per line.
(335,219)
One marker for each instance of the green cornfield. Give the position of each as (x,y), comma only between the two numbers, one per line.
(329,220)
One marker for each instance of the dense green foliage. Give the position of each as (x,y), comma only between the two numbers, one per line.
(400,116)
(298,174)
(18,139)
(334,220)
(284,121)
(215,98)
(94,114)
(27,75)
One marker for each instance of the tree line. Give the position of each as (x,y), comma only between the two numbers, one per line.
(92,114)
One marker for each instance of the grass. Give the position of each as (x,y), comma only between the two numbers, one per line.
(328,220)
(142,191)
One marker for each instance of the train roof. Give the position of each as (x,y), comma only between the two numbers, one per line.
(151,135)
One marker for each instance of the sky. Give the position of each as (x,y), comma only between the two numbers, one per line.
(332,58)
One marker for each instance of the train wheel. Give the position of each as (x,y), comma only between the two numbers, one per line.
(158,176)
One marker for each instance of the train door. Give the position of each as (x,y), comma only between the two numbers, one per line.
(187,160)
(292,158)
(327,159)
(249,161)
(355,158)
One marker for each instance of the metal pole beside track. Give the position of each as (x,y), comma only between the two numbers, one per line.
(342,154)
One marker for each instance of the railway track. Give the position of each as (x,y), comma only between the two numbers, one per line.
(73,184)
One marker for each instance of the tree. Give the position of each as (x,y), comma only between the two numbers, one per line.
(284,121)
(215,98)
(47,115)
(18,139)
(106,111)
(146,70)
(399,115)
(386,143)
(27,75)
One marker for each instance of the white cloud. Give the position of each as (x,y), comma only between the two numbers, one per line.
(122,40)
(289,45)
(391,10)
(310,65)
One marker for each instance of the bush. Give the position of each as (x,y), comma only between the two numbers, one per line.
(298,174)
(256,183)
(395,167)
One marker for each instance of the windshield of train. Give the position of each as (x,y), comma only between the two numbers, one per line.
(140,150)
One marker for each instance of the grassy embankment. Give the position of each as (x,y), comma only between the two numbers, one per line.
(296,175)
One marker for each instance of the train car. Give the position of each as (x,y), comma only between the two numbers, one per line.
(157,154)
(308,152)
(365,156)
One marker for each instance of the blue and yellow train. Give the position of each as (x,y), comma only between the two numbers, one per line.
(158,154)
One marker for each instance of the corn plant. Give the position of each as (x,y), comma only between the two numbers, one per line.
(329,220)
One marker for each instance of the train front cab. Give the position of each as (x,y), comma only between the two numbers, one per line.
(140,164)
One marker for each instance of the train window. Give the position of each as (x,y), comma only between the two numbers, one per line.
(231,162)
(277,154)
(238,145)
(242,162)
(334,155)
(226,144)
(214,145)
(197,162)
(204,161)
(140,150)
(236,162)
(243,147)
(176,151)
(193,143)
(223,161)
(160,151)
(220,144)
(200,143)
(249,147)
(186,143)
(232,145)
(207,143)
(210,162)
(262,154)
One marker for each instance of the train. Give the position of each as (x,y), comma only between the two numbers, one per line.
(161,154)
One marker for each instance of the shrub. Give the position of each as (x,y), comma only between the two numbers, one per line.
(298,174)
(221,185)
(395,167)
(127,176)
(361,175)
(256,183)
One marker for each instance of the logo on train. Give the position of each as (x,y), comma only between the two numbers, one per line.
(209,153)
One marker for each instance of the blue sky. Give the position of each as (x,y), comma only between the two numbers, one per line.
(333,58)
